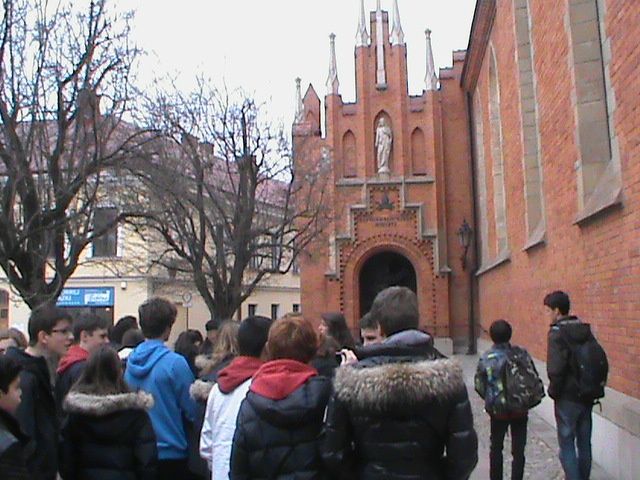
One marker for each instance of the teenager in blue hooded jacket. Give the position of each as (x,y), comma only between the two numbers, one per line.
(155,369)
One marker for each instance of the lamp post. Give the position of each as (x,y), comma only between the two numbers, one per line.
(465,233)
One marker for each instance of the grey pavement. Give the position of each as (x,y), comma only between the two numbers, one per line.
(541,453)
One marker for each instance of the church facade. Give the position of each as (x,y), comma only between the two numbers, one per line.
(399,185)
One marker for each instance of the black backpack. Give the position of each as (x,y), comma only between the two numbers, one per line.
(591,367)
(523,387)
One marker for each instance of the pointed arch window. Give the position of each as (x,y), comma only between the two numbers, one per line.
(418,153)
(531,162)
(349,154)
(599,171)
(481,178)
(499,200)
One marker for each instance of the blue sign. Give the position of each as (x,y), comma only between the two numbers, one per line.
(86,297)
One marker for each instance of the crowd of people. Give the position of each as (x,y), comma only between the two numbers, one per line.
(256,399)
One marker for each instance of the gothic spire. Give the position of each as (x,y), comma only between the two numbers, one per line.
(430,79)
(332,79)
(299,115)
(397,35)
(362,37)
(381,74)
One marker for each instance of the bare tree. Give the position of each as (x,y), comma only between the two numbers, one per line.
(223,195)
(65,86)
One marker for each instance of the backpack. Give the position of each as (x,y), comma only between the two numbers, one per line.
(591,367)
(523,387)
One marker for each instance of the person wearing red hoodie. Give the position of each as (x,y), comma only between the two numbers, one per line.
(279,423)
(89,333)
(224,398)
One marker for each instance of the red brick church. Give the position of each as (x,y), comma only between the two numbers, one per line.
(533,138)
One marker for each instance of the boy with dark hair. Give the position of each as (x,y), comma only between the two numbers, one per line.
(490,385)
(572,410)
(49,338)
(12,440)
(224,399)
(89,333)
(400,396)
(211,327)
(154,368)
(369,330)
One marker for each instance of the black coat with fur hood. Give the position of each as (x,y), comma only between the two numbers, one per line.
(108,437)
(400,415)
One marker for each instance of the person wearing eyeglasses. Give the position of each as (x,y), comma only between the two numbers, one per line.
(50,336)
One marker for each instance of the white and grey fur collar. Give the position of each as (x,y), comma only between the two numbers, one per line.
(98,405)
(199,390)
(398,385)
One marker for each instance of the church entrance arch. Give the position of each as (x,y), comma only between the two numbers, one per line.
(382,270)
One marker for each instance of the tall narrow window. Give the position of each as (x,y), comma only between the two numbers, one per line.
(481,178)
(599,166)
(106,245)
(418,153)
(296,308)
(534,212)
(4,308)
(499,201)
(275,311)
(349,154)
(252,310)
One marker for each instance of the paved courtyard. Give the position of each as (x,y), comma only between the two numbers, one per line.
(542,445)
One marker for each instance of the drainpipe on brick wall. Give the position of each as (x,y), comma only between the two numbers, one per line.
(473,266)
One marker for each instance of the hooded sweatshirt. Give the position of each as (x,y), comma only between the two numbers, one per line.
(154,368)
(68,372)
(223,404)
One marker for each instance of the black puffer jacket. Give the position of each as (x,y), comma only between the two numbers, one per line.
(12,442)
(37,415)
(400,415)
(280,439)
(563,383)
(108,437)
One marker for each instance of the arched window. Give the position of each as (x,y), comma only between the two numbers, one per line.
(531,163)
(599,172)
(481,177)
(499,201)
(418,153)
(349,157)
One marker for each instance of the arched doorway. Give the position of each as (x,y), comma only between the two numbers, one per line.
(382,270)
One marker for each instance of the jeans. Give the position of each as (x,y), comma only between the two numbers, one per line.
(499,428)
(573,421)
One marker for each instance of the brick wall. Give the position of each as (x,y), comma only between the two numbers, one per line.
(596,261)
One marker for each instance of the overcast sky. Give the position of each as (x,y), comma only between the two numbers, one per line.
(262,45)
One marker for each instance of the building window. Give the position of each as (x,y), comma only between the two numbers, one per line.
(274,311)
(599,172)
(106,245)
(481,180)
(4,307)
(276,251)
(499,200)
(296,308)
(253,309)
(534,213)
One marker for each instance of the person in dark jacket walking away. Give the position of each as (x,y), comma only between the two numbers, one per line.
(223,399)
(279,423)
(489,381)
(89,333)
(399,413)
(107,433)
(49,338)
(573,414)
(12,440)
(116,333)
(155,369)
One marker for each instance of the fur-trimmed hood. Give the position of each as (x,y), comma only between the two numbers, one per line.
(199,390)
(398,385)
(99,405)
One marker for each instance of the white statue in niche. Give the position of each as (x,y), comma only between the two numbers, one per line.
(384,138)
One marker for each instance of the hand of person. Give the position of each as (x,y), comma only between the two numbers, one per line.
(347,357)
